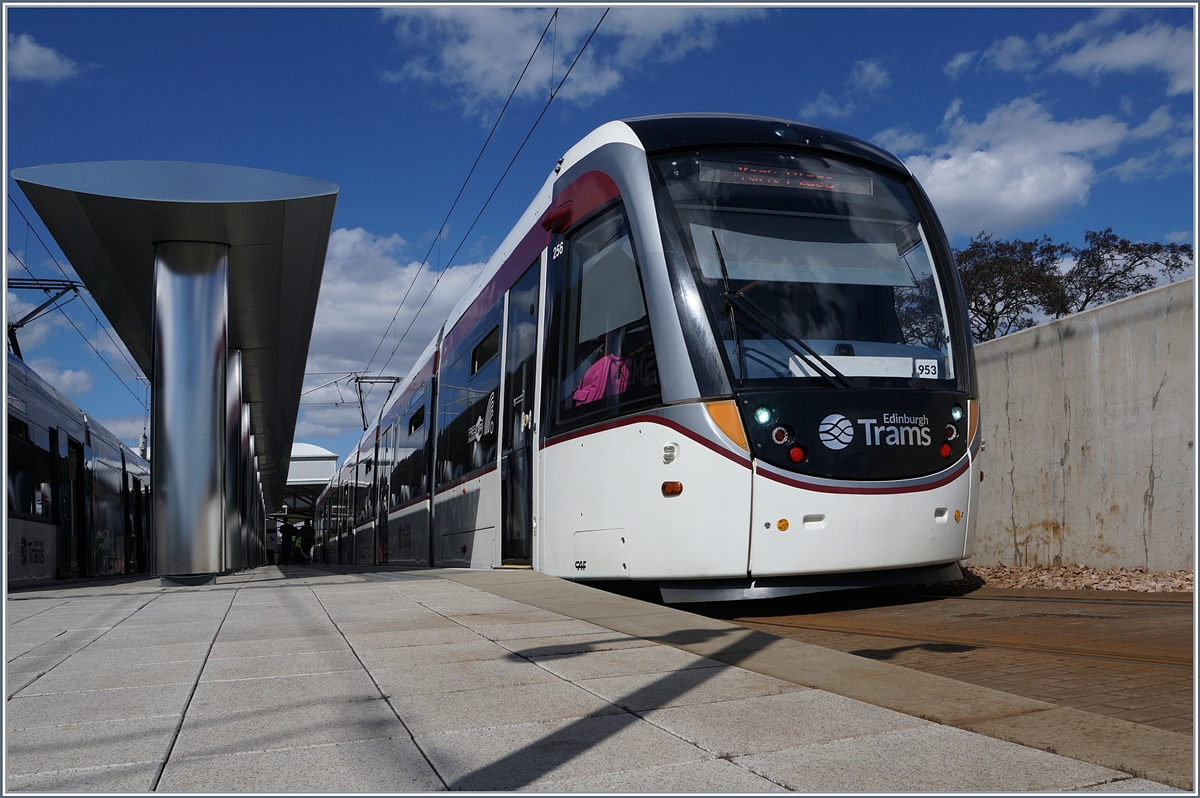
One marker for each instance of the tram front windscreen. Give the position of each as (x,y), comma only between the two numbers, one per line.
(814,271)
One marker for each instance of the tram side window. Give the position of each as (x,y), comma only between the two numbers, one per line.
(607,355)
(467,418)
(387,456)
(408,475)
(108,548)
(29,468)
(365,488)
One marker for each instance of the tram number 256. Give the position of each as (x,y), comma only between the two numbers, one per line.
(581,565)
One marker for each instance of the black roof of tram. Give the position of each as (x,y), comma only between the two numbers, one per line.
(680,131)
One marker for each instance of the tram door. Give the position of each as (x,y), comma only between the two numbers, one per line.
(516,459)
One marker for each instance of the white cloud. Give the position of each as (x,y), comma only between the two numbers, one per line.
(28,60)
(72,383)
(1156,46)
(958,64)
(37,332)
(12,266)
(869,77)
(128,429)
(1019,167)
(1092,48)
(826,106)
(1011,54)
(363,284)
(1179,236)
(478,53)
(897,140)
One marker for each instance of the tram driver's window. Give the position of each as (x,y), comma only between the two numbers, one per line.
(608,354)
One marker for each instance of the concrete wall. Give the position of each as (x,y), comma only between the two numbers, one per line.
(1089,435)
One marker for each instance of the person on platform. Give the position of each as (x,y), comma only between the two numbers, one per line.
(308,538)
(289,534)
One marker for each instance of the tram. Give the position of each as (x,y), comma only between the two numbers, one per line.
(78,500)
(727,354)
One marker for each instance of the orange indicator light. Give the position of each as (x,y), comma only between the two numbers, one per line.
(672,488)
(782,524)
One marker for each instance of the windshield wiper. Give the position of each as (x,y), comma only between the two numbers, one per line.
(737,349)
(761,319)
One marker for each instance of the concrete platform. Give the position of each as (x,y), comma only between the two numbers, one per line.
(383,680)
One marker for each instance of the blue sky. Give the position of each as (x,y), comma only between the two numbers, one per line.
(1019,121)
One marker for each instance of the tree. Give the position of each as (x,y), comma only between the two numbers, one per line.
(1005,281)
(1110,268)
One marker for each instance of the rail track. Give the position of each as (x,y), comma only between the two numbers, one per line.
(1119,654)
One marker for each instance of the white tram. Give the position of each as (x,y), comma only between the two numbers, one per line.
(728,354)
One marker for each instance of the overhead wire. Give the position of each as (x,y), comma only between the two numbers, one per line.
(57,306)
(453,205)
(29,228)
(497,186)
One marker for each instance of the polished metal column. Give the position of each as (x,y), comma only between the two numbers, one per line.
(191,308)
(235,550)
(246,491)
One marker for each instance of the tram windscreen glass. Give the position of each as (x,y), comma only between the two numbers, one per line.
(831,254)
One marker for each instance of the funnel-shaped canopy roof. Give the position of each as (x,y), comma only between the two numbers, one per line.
(107,216)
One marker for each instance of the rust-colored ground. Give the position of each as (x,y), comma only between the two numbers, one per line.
(1127,655)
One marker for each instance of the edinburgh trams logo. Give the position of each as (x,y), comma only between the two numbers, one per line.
(485,424)
(897,429)
(836,431)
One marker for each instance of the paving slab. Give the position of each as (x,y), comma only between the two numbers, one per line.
(707,776)
(1142,751)
(450,633)
(762,724)
(69,680)
(96,705)
(432,655)
(494,707)
(91,658)
(899,761)
(642,692)
(621,662)
(604,640)
(87,745)
(279,645)
(455,676)
(297,724)
(1131,785)
(220,696)
(391,765)
(512,757)
(137,777)
(279,665)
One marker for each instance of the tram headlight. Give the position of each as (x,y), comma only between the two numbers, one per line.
(956,412)
(764,415)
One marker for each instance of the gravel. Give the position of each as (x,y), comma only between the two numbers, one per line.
(1079,577)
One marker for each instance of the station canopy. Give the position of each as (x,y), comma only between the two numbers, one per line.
(107,217)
